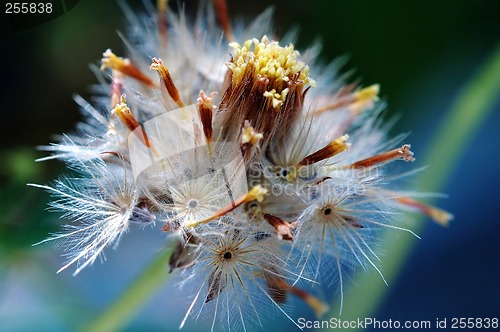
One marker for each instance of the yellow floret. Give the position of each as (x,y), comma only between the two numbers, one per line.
(270,60)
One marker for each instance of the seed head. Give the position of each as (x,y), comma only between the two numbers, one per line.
(264,187)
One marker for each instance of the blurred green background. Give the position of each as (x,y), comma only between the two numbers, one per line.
(423,53)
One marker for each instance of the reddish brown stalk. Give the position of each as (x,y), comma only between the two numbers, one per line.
(403,153)
(125,66)
(125,115)
(205,110)
(333,148)
(222,14)
(341,99)
(356,101)
(183,255)
(256,193)
(283,228)
(168,82)
(278,288)
(127,118)
(162,7)
(440,216)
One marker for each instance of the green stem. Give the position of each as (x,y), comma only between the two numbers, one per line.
(464,118)
(123,309)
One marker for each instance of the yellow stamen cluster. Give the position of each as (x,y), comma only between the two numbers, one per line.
(257,193)
(269,60)
(123,65)
(111,60)
(124,114)
(277,98)
(249,135)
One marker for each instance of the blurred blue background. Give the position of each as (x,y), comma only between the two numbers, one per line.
(422,53)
